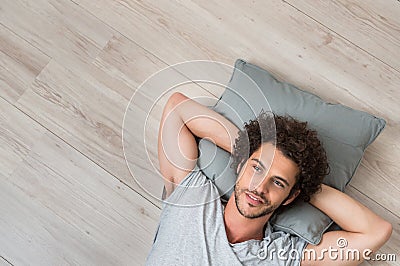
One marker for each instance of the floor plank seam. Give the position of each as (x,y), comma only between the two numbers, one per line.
(114,29)
(362,49)
(148,51)
(19,36)
(1,257)
(377,203)
(48,130)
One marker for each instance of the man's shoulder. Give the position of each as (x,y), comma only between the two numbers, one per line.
(194,189)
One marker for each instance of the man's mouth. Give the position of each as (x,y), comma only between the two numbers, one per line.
(253,199)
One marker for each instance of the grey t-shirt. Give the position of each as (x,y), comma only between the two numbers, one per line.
(192,232)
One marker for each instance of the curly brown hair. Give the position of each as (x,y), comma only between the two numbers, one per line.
(294,139)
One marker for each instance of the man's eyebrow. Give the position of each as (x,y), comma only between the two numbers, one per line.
(278,177)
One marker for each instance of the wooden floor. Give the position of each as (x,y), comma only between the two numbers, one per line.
(68,69)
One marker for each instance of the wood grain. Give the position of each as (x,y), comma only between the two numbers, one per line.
(61,208)
(58,28)
(374,26)
(84,114)
(378,176)
(314,57)
(20,63)
(77,212)
(86,108)
(18,134)
(125,67)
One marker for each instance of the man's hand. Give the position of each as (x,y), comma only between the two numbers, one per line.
(363,230)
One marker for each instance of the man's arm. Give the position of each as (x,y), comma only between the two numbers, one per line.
(183,119)
(362,229)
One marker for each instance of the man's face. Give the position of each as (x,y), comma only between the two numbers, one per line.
(264,182)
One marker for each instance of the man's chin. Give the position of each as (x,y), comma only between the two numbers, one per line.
(254,212)
(250,211)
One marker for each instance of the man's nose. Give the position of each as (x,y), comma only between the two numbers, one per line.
(259,184)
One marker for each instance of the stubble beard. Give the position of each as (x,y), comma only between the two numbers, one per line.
(264,210)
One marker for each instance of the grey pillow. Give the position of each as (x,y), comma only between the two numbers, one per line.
(344,132)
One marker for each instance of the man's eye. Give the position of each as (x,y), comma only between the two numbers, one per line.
(256,168)
(279,183)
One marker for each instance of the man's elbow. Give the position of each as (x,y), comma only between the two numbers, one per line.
(383,233)
(387,229)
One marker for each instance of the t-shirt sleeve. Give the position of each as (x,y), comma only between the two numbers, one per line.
(195,189)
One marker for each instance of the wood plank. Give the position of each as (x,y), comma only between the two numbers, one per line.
(18,134)
(314,57)
(87,108)
(58,28)
(149,26)
(374,26)
(392,246)
(379,173)
(77,212)
(124,66)
(20,63)
(85,115)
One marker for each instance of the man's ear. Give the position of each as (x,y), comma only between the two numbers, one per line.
(239,170)
(291,197)
(240,166)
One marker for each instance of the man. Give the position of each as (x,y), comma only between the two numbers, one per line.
(196,229)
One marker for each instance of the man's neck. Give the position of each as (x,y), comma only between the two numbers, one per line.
(239,228)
